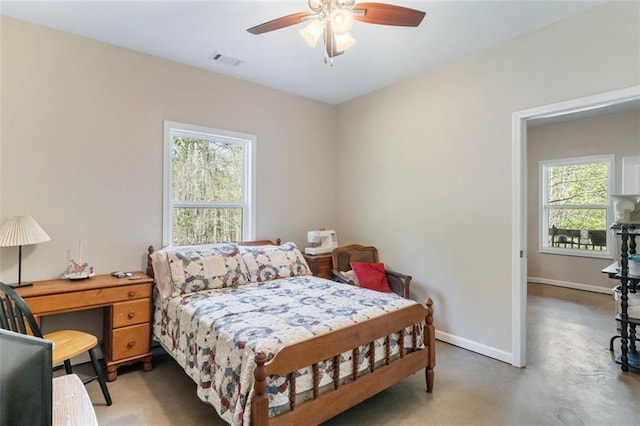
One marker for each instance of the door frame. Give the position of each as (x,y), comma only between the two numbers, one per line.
(519,201)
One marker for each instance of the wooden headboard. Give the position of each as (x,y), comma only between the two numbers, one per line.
(150,250)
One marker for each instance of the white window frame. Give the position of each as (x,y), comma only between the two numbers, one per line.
(248,201)
(543,241)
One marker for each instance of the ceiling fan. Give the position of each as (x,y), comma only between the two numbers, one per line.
(335,19)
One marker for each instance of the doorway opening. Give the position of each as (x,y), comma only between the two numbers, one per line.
(583,107)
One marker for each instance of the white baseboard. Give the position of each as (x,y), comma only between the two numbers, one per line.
(507,356)
(567,284)
(474,346)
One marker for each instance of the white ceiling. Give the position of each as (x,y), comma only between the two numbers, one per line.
(191,31)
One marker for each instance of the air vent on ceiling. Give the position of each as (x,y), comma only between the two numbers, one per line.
(225,59)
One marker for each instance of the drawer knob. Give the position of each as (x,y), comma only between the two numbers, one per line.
(131,343)
(132,293)
(131,314)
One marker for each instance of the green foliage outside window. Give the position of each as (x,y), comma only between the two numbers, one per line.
(203,172)
(577,199)
(206,225)
(576,185)
(590,219)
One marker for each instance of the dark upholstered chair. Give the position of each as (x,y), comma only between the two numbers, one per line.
(343,256)
(16,316)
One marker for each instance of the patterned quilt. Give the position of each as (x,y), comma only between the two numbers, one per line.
(214,335)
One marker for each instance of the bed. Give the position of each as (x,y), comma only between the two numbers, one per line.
(267,343)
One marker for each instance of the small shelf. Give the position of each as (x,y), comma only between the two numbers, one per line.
(613,271)
(634,321)
(633,361)
(628,285)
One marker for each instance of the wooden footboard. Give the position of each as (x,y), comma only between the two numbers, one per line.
(329,347)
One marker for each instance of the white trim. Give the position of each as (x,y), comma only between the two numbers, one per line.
(568,284)
(166,184)
(251,217)
(594,254)
(518,212)
(631,175)
(519,243)
(249,178)
(474,346)
(543,209)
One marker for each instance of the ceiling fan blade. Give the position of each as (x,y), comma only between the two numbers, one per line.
(278,23)
(388,14)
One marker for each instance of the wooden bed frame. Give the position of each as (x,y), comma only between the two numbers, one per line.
(329,346)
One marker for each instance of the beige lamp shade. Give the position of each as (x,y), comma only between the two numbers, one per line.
(21,231)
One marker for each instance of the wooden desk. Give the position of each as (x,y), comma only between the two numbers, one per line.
(127,312)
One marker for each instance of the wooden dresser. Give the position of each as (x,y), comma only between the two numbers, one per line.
(320,264)
(127,312)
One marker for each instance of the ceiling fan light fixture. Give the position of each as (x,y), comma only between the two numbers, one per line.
(335,19)
(344,41)
(341,21)
(315,5)
(312,32)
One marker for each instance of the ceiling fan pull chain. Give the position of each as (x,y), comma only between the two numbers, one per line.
(328,60)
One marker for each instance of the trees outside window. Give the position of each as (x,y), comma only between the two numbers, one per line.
(208,185)
(575,208)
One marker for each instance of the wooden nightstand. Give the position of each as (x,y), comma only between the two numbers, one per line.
(320,264)
(127,312)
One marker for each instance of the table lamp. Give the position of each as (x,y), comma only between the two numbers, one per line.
(21,231)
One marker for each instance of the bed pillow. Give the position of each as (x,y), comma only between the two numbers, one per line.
(266,263)
(161,269)
(206,267)
(162,273)
(371,276)
(350,275)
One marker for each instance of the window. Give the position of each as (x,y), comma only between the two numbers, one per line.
(575,209)
(209,185)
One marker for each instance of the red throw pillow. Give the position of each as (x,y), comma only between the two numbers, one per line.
(371,276)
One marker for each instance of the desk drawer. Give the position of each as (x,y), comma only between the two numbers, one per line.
(130,341)
(87,298)
(130,313)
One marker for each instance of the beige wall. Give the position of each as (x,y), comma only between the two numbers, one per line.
(82,138)
(617,134)
(424,167)
(426,164)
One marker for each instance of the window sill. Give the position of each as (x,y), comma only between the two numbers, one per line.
(577,253)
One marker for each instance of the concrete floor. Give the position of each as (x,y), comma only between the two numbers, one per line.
(571,379)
